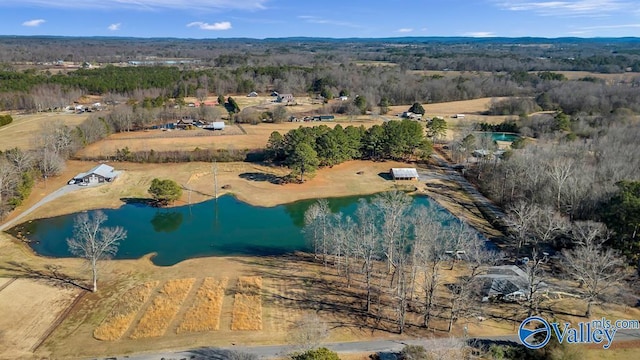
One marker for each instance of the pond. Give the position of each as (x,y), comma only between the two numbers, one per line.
(223,228)
(502,136)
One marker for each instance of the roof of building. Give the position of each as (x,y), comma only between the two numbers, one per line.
(103,170)
(504,280)
(404,172)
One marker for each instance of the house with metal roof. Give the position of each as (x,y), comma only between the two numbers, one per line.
(99,174)
(404,174)
(506,282)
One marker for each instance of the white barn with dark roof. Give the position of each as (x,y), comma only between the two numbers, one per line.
(404,174)
(99,174)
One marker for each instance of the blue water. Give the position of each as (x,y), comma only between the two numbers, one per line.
(501,136)
(225,227)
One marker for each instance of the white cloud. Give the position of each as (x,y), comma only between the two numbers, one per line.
(114,27)
(146,4)
(617,26)
(224,25)
(319,20)
(583,8)
(34,22)
(404,30)
(479,34)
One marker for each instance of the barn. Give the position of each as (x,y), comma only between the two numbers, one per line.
(99,174)
(404,174)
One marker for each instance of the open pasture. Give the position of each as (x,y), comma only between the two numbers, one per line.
(232,138)
(23,131)
(28,309)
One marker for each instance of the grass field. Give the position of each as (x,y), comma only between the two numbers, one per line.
(571,75)
(164,307)
(247,304)
(204,314)
(119,320)
(232,137)
(24,129)
(27,310)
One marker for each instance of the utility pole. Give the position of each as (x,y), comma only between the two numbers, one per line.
(215,179)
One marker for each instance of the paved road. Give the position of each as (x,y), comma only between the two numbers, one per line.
(54,195)
(374,346)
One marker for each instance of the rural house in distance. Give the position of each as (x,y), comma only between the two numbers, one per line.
(99,174)
(404,174)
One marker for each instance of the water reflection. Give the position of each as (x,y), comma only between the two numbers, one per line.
(167,221)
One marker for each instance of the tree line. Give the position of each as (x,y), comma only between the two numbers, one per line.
(306,148)
(54,144)
(396,255)
(396,258)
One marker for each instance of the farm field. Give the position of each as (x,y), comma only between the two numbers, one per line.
(571,75)
(22,132)
(286,295)
(25,318)
(472,109)
(232,137)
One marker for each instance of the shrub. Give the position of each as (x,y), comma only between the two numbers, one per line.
(5,120)
(316,354)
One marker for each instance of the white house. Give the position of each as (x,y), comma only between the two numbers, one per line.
(285,98)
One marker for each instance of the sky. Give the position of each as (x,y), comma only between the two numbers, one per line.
(325,18)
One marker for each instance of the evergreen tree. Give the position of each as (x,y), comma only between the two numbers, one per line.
(417,108)
(304,160)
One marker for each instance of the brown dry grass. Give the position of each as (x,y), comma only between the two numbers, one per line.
(28,308)
(23,130)
(204,314)
(163,309)
(119,320)
(256,137)
(247,305)
(350,178)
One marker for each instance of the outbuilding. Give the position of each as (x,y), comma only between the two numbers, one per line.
(99,174)
(404,174)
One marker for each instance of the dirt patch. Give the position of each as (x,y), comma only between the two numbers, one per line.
(28,308)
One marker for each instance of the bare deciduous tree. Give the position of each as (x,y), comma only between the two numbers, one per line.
(597,269)
(475,257)
(93,242)
(521,217)
(8,178)
(308,332)
(393,206)
(549,224)
(317,219)
(560,169)
(366,244)
(535,282)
